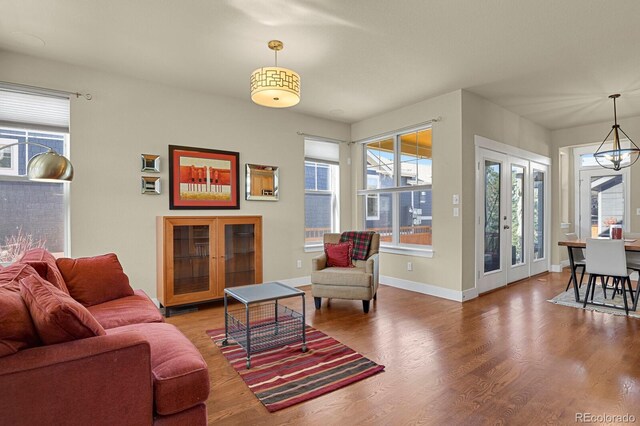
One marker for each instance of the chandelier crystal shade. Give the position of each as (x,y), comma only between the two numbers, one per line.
(617,157)
(275,87)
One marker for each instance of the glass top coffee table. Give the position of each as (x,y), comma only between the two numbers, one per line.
(263,323)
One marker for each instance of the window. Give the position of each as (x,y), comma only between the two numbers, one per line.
(34,214)
(321,185)
(397,196)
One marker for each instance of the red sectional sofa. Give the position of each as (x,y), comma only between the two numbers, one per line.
(79,346)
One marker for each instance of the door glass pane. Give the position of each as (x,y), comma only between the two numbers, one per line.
(607,204)
(191,259)
(492,175)
(382,222)
(239,255)
(517,215)
(538,214)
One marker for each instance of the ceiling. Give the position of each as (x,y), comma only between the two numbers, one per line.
(553,62)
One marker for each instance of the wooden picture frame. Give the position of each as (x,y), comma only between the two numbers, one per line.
(201,178)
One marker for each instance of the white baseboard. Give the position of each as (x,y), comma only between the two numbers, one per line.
(296,282)
(156,301)
(560,267)
(431,290)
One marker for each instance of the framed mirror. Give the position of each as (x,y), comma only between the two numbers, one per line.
(150,163)
(262,183)
(150,185)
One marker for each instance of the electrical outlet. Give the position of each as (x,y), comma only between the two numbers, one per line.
(299,264)
(637,212)
(456,212)
(409,266)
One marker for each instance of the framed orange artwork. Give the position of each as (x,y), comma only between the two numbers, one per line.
(202,178)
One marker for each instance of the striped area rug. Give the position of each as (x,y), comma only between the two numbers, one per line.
(286,376)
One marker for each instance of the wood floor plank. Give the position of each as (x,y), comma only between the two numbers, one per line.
(508,357)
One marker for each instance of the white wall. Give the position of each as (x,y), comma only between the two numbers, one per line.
(585,135)
(444,270)
(483,118)
(128,117)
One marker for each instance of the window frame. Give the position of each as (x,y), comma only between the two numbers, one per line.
(334,182)
(66,199)
(395,246)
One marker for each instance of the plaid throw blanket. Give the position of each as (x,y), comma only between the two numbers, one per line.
(361,242)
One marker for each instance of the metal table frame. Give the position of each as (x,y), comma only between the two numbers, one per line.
(280,291)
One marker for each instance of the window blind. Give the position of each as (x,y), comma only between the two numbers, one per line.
(322,150)
(38,111)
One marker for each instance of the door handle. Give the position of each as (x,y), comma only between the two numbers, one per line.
(505,227)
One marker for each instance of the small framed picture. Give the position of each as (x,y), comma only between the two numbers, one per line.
(262,183)
(202,178)
(150,185)
(150,163)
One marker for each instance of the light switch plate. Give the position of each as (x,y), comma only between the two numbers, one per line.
(456,199)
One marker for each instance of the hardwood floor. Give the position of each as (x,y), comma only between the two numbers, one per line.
(508,357)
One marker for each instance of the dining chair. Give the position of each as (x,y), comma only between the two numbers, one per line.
(633,257)
(606,258)
(578,260)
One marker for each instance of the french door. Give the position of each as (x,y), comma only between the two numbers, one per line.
(603,194)
(512,219)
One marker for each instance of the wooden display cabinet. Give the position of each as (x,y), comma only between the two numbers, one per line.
(199,256)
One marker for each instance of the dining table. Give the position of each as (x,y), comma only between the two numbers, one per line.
(630,244)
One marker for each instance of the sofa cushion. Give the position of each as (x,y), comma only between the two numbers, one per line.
(16,326)
(93,280)
(127,310)
(57,317)
(339,254)
(45,264)
(342,277)
(180,375)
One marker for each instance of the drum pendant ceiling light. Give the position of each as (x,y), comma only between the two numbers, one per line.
(617,157)
(275,87)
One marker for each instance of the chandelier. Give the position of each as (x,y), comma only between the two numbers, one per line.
(618,157)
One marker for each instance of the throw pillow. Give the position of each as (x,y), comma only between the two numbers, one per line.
(339,254)
(94,280)
(45,264)
(16,327)
(57,317)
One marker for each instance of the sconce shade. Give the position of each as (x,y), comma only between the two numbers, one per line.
(49,167)
(275,87)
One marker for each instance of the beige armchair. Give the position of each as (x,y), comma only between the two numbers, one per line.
(359,283)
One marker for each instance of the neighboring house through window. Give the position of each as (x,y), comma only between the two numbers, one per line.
(34,214)
(321,186)
(397,194)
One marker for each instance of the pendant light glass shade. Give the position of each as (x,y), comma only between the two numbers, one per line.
(275,87)
(618,157)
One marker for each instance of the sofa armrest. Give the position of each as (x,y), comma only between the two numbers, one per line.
(372,267)
(318,263)
(99,380)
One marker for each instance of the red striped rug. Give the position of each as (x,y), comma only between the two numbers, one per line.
(286,376)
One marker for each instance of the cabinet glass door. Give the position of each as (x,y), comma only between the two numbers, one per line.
(191,259)
(239,254)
